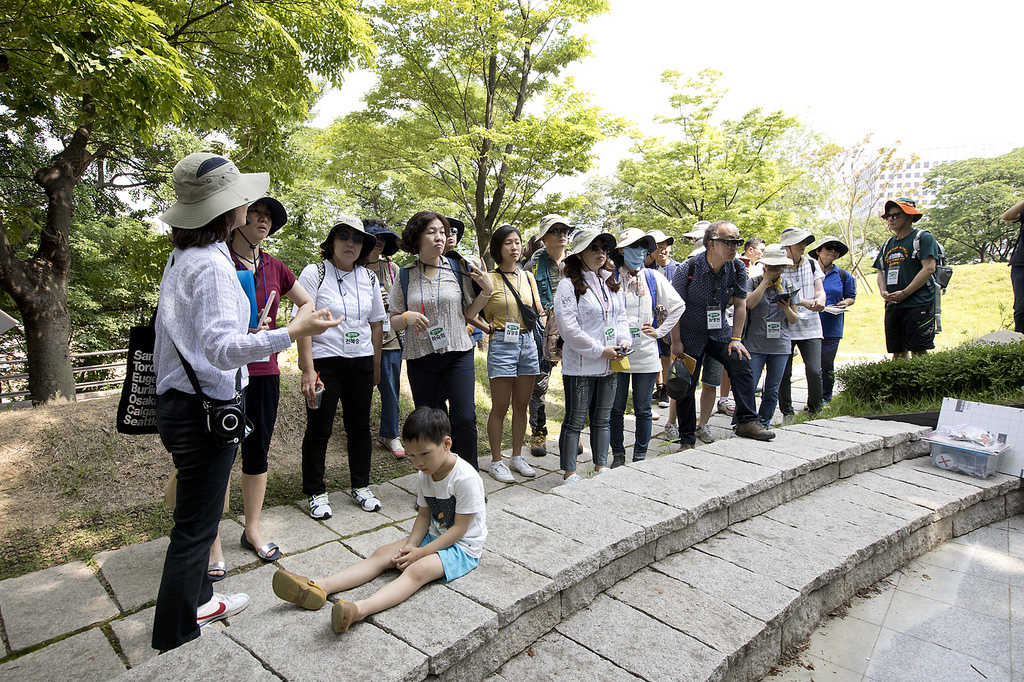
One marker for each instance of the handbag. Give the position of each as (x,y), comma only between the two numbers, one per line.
(225,419)
(136,412)
(528,315)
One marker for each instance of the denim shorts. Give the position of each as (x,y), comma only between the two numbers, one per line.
(454,560)
(711,374)
(512,359)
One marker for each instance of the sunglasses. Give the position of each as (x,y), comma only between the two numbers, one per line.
(597,247)
(559,231)
(830,247)
(736,243)
(349,236)
(891,216)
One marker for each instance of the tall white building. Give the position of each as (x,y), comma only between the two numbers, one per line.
(908,181)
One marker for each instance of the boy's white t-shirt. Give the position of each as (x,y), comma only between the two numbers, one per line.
(460,492)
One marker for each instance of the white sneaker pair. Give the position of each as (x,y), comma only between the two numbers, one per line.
(220,607)
(500,471)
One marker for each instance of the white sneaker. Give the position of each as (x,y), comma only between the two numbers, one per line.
(520,465)
(396,447)
(726,406)
(501,472)
(575,478)
(704,433)
(365,498)
(220,607)
(319,506)
(603,470)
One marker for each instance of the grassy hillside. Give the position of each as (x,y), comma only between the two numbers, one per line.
(979,300)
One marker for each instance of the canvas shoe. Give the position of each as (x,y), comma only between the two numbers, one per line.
(501,472)
(704,433)
(319,506)
(520,465)
(365,498)
(663,397)
(755,430)
(220,607)
(395,446)
(618,460)
(672,433)
(575,478)
(726,406)
(603,470)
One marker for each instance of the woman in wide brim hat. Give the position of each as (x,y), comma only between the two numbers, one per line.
(805,277)
(344,361)
(591,319)
(840,290)
(203,320)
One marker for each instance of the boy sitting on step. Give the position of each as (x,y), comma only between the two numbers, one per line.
(446,540)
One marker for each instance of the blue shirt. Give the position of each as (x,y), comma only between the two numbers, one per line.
(707,289)
(839,284)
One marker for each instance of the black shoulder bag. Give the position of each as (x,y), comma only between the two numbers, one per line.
(528,315)
(225,419)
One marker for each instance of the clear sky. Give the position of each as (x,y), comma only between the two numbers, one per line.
(935,75)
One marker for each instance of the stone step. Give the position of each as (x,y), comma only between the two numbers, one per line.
(795,525)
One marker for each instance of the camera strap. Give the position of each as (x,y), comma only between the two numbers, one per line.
(191,373)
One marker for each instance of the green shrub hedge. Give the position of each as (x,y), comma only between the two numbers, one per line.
(970,372)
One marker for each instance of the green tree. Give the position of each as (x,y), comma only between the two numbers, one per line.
(711,171)
(467,112)
(851,184)
(101,78)
(971,196)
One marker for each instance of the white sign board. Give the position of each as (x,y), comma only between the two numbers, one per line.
(7,322)
(1006,423)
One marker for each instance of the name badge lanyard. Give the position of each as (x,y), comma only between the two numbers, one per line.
(609,332)
(344,301)
(512,329)
(436,334)
(640,287)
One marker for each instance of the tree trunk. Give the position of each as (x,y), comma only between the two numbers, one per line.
(39,286)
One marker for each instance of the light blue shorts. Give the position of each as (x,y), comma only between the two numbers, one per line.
(512,359)
(454,560)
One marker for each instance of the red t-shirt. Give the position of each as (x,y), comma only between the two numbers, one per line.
(272,275)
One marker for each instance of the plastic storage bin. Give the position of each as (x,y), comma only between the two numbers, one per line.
(978,462)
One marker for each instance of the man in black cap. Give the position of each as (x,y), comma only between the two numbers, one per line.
(905,264)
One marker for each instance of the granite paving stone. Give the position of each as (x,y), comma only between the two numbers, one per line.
(365,545)
(319,562)
(395,503)
(512,496)
(134,572)
(547,483)
(762,597)
(735,448)
(935,500)
(70,595)
(366,648)
(135,635)
(85,657)
(802,541)
(349,519)
(656,517)
(760,477)
(235,556)
(504,587)
(677,485)
(817,450)
(258,584)
(608,627)
(540,549)
(846,442)
(556,657)
(691,611)
(843,641)
(595,527)
(804,576)
(893,433)
(293,530)
(920,472)
(425,622)
(915,516)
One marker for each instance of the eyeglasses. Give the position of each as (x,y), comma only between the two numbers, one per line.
(559,231)
(597,247)
(830,247)
(735,243)
(349,236)
(891,216)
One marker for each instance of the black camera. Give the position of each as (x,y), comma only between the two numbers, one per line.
(226,423)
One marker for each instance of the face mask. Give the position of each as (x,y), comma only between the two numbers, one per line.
(634,256)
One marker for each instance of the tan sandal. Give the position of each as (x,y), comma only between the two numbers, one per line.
(343,614)
(298,590)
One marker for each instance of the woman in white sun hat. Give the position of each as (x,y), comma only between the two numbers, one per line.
(203,320)
(592,321)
